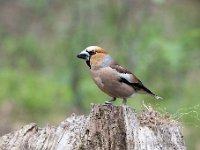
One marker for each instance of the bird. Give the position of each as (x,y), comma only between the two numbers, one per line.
(113,79)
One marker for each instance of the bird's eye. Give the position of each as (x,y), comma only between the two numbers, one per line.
(92,52)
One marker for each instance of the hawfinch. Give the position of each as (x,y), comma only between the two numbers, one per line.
(110,77)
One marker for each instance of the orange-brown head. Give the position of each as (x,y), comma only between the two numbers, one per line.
(96,49)
(95,57)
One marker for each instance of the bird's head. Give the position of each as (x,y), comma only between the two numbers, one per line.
(94,56)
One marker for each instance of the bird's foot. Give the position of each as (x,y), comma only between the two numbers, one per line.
(124,101)
(107,103)
(110,101)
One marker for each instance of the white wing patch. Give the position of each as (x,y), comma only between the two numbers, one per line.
(127,76)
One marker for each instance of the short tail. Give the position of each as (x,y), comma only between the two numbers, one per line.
(139,87)
(142,88)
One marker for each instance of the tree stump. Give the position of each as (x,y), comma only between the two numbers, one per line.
(107,127)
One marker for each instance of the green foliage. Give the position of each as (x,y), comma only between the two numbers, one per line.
(35,93)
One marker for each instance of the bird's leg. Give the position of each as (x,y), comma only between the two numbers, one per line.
(110,101)
(124,101)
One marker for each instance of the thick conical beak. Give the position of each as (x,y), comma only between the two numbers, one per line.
(83,55)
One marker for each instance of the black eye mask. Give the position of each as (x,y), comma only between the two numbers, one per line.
(91,53)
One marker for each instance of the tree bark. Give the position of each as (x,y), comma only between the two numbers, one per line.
(107,127)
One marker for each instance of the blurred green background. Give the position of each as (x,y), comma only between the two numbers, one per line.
(42,81)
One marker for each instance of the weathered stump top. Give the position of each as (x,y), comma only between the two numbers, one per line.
(107,127)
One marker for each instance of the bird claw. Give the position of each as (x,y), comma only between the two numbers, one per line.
(107,103)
